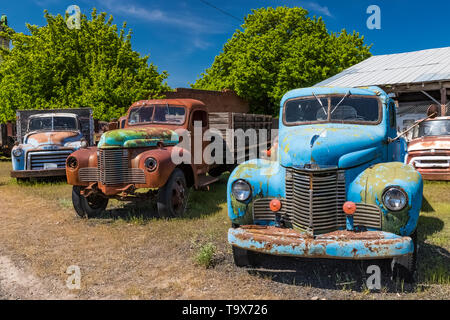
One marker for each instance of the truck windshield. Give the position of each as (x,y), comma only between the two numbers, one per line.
(336,109)
(433,128)
(52,123)
(169,114)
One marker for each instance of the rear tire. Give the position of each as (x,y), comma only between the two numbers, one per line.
(89,207)
(404,268)
(173,197)
(243,258)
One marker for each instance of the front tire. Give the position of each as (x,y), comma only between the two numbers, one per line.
(88,207)
(173,197)
(404,268)
(243,258)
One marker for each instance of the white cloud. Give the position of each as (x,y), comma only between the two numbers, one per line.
(189,23)
(315,6)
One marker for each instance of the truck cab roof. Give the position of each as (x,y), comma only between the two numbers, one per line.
(45,115)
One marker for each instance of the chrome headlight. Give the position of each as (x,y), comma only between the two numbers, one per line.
(395,199)
(241,190)
(151,164)
(18,152)
(83,143)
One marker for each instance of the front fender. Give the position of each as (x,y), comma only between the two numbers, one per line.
(157,178)
(267,179)
(369,186)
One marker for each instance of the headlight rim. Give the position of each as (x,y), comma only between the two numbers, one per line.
(249,187)
(76,162)
(18,150)
(153,168)
(387,189)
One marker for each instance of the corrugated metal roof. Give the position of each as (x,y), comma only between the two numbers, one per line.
(400,68)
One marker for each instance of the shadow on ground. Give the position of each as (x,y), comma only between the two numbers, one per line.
(201,203)
(433,266)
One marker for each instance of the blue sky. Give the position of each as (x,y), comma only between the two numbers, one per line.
(183,36)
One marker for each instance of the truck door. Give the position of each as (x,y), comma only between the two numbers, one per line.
(396,149)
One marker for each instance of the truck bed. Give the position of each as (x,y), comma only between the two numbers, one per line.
(233,120)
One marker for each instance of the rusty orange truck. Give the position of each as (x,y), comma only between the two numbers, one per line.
(429,150)
(136,162)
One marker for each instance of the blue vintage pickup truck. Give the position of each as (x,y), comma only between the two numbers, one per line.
(335,186)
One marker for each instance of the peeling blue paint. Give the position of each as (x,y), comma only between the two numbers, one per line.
(370,163)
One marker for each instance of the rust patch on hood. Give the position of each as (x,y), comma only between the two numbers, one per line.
(52,137)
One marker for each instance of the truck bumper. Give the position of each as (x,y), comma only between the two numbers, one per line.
(436,175)
(38,173)
(335,245)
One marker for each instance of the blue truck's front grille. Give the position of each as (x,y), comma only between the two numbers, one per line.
(43,160)
(314,200)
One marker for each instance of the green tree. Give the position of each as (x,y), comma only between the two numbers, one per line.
(278,50)
(56,67)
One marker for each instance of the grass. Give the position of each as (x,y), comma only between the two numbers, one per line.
(205,255)
(130,252)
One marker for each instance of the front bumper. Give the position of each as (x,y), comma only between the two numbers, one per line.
(335,245)
(38,173)
(435,174)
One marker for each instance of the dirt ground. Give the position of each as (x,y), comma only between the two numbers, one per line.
(130,254)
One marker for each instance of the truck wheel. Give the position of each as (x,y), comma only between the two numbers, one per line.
(89,207)
(404,268)
(173,197)
(243,258)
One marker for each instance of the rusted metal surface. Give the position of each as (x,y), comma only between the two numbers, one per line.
(431,157)
(38,173)
(337,245)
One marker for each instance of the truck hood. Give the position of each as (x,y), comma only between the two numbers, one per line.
(137,138)
(58,138)
(428,143)
(331,145)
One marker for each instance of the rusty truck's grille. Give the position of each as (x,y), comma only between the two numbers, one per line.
(88,174)
(262,212)
(114,168)
(314,200)
(40,160)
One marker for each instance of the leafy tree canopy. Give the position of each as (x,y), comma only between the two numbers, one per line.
(278,50)
(56,67)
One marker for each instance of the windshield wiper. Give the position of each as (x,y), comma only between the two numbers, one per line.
(346,95)
(320,102)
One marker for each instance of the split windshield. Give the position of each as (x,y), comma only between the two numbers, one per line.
(338,109)
(168,114)
(433,128)
(52,124)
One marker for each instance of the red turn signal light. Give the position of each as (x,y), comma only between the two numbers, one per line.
(349,208)
(275,205)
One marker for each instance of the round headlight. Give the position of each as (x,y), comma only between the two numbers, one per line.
(151,164)
(241,190)
(72,162)
(18,152)
(83,143)
(395,199)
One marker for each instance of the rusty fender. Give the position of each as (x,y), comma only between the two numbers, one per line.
(335,245)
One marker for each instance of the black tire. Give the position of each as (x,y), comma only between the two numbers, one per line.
(244,258)
(89,207)
(404,268)
(173,197)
